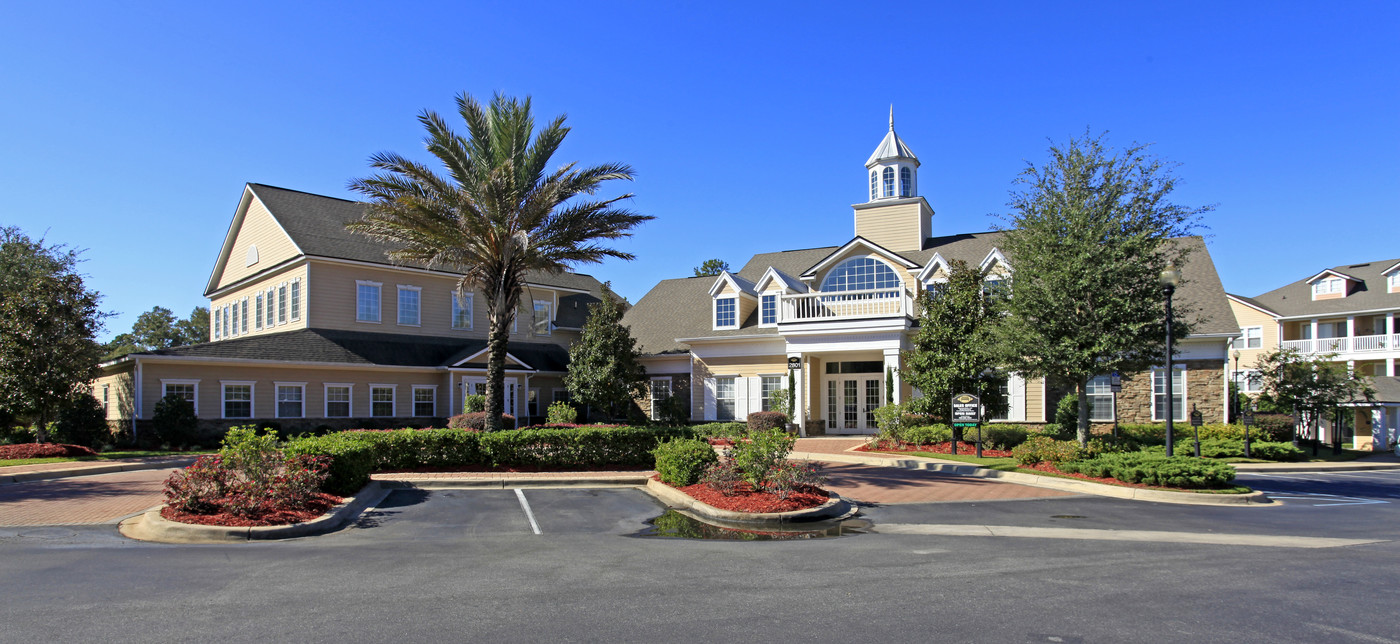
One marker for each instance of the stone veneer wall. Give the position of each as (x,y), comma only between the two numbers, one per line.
(680,388)
(1204,389)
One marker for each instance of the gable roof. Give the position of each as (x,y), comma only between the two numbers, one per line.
(316,225)
(740,285)
(857,242)
(681,308)
(1333,272)
(1249,302)
(1295,298)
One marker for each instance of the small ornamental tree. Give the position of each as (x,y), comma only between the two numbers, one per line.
(605,368)
(1313,385)
(952,352)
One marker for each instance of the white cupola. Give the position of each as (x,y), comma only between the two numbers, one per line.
(893,168)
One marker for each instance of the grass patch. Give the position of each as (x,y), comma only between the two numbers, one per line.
(106,456)
(1010,465)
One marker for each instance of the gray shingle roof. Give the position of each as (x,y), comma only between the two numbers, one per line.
(680,308)
(1371,294)
(1387,389)
(362,348)
(316,224)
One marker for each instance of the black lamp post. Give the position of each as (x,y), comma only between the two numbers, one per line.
(1235,391)
(1169,279)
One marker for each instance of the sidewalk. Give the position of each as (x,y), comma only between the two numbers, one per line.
(45,471)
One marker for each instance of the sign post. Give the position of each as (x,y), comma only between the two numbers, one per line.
(1196,421)
(1115,384)
(1247,418)
(967,412)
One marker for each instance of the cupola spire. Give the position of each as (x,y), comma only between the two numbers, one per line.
(893,168)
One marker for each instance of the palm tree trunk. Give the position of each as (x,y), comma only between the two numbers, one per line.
(496,370)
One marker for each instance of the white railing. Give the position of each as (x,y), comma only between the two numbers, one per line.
(1357,344)
(846,305)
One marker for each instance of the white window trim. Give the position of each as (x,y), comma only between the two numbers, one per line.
(777,300)
(379,315)
(283,309)
(1329,286)
(252,398)
(276,403)
(1112,397)
(398,304)
(548,318)
(1244,337)
(218,320)
(259,312)
(714,313)
(326,399)
(226,322)
(782,386)
(179,381)
(651,393)
(470,310)
(271,308)
(1185,413)
(554,395)
(735,389)
(294,299)
(416,388)
(393,402)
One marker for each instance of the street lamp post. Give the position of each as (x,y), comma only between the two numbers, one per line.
(1235,391)
(1169,279)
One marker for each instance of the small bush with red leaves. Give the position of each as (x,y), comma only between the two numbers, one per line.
(477,421)
(42,450)
(765,420)
(214,486)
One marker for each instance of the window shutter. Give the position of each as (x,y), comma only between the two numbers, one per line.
(709,399)
(755,393)
(1016,385)
(741,399)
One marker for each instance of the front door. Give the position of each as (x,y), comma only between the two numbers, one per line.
(477,385)
(851,401)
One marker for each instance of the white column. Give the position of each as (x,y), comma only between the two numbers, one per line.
(796,394)
(1390,367)
(1351,326)
(1390,323)
(1314,337)
(892,363)
(1380,434)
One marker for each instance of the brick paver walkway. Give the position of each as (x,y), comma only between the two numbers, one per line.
(10,470)
(101,498)
(872,484)
(828,445)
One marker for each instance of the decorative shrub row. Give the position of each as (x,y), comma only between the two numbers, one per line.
(997,436)
(1219,448)
(1044,449)
(682,462)
(765,420)
(1155,470)
(477,420)
(1269,431)
(356,454)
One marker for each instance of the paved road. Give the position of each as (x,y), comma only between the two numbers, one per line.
(469,565)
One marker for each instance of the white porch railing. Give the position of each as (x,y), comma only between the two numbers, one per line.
(846,305)
(1357,344)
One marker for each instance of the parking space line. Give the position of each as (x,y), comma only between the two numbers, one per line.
(525,505)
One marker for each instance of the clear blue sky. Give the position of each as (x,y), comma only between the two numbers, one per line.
(129,129)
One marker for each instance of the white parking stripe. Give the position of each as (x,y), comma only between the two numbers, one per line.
(520,494)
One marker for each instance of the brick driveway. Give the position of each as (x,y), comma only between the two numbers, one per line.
(871,484)
(101,498)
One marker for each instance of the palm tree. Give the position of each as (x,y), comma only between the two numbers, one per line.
(497,214)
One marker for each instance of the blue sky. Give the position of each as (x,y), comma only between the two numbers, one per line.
(129,130)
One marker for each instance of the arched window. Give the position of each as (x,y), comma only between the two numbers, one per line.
(874,185)
(906,182)
(889,182)
(861,274)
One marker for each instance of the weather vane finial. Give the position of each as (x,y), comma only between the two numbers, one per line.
(891,117)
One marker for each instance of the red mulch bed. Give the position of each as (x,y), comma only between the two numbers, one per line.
(719,442)
(313,510)
(43,450)
(964,447)
(747,500)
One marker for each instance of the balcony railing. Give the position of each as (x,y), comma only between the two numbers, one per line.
(846,305)
(1356,344)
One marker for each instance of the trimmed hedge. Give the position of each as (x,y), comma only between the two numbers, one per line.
(1153,469)
(477,420)
(682,462)
(765,420)
(356,454)
(1044,449)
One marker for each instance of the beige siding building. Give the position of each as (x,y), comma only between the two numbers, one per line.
(311,326)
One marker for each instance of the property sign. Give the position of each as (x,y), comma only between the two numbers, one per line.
(1115,382)
(794,363)
(967,410)
(1197,419)
(1247,418)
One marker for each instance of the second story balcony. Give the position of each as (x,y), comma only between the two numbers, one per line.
(1354,344)
(846,305)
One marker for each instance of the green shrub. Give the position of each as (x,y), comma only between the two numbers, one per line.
(893,418)
(762,455)
(582,447)
(353,457)
(473,403)
(673,411)
(1275,451)
(1055,431)
(561,413)
(1067,412)
(174,422)
(1043,449)
(1272,428)
(1156,470)
(780,400)
(765,420)
(1001,436)
(730,430)
(925,435)
(477,421)
(82,422)
(682,462)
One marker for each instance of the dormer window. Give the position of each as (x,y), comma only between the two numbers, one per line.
(726,313)
(889,182)
(1394,281)
(906,182)
(768,309)
(874,185)
(996,287)
(1329,286)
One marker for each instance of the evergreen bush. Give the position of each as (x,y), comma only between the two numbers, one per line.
(682,462)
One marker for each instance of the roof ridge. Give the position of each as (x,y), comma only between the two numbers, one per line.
(303,192)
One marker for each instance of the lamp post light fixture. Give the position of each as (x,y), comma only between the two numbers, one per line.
(1235,393)
(1169,279)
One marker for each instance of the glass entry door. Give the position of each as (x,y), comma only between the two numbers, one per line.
(851,402)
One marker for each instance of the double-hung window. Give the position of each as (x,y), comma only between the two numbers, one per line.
(1329,286)
(338,401)
(726,312)
(768,309)
(218,319)
(235,318)
(290,399)
(1251,337)
(226,320)
(188,390)
(271,307)
(1159,394)
(461,310)
(768,385)
(660,393)
(381,400)
(1100,394)
(1249,382)
(243,315)
(410,313)
(424,400)
(296,298)
(542,315)
(725,398)
(258,311)
(238,399)
(282,304)
(367,301)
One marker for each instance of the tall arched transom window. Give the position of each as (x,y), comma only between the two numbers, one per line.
(874,184)
(906,182)
(889,182)
(861,274)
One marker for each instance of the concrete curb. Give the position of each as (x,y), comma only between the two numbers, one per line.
(1268,468)
(150,526)
(91,470)
(836,508)
(1253,499)
(627,480)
